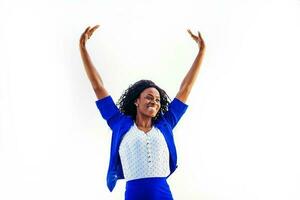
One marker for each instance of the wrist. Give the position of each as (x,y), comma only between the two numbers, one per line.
(201,50)
(82,47)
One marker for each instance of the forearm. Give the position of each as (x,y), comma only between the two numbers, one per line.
(192,74)
(91,71)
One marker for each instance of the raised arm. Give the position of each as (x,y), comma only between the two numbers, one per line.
(190,77)
(91,71)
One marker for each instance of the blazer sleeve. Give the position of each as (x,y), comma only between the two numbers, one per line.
(175,111)
(109,111)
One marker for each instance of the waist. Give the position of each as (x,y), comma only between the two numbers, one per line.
(147,181)
(153,188)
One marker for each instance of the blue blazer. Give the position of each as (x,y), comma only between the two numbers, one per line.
(120,124)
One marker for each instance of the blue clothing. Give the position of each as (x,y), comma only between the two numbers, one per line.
(148,189)
(120,124)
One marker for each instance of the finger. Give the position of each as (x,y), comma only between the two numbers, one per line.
(93,29)
(200,36)
(201,39)
(190,32)
(194,36)
(83,35)
(87,29)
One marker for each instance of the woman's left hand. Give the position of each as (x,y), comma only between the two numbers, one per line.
(198,39)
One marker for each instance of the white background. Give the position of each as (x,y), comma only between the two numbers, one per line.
(239,138)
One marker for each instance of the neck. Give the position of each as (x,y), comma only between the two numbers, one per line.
(145,122)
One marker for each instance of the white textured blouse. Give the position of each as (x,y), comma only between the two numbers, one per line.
(144,154)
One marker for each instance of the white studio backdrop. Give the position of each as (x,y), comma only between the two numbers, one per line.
(238,139)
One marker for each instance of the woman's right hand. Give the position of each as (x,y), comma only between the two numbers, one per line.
(86,35)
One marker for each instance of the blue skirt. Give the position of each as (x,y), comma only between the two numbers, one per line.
(148,189)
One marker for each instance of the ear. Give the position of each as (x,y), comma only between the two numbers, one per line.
(136,102)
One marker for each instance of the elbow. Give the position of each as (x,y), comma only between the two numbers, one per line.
(186,88)
(100,92)
(183,94)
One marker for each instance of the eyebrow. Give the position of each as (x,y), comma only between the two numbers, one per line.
(153,95)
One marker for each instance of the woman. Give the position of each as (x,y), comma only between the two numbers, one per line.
(142,148)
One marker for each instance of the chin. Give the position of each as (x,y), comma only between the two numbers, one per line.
(152,115)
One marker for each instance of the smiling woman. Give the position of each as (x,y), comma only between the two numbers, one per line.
(143,92)
(142,149)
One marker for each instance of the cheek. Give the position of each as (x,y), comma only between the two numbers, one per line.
(159,107)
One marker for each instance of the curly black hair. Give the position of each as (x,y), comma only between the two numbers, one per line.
(126,102)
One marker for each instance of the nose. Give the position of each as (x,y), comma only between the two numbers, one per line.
(153,102)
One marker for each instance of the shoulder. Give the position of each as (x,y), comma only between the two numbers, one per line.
(175,111)
(104,101)
(177,103)
(177,107)
(111,113)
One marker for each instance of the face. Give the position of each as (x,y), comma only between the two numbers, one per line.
(148,103)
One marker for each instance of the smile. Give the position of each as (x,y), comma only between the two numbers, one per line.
(151,108)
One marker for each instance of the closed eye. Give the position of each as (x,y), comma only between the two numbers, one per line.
(150,97)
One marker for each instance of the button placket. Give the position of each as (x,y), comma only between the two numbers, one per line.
(148,145)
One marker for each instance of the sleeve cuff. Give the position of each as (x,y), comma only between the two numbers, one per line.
(107,107)
(179,105)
